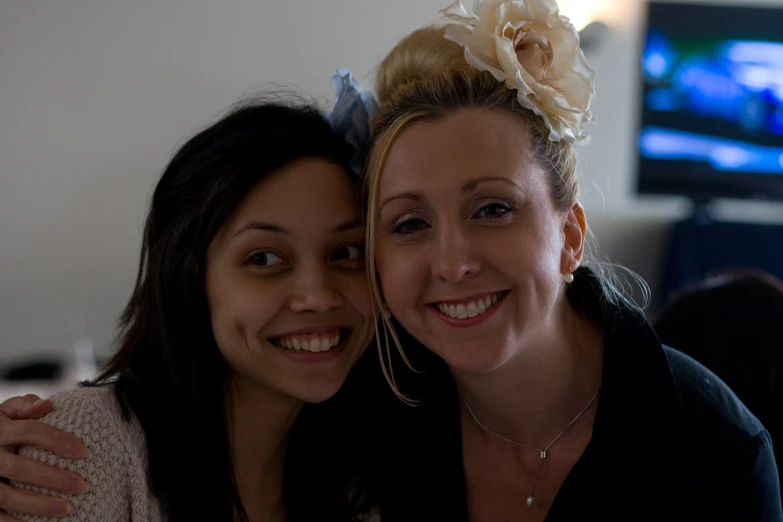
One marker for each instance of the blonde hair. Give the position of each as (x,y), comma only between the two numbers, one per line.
(426,78)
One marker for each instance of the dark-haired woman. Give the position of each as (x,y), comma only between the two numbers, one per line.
(249,310)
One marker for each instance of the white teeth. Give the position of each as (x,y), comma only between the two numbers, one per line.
(469,309)
(314,345)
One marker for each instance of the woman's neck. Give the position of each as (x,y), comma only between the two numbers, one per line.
(261,421)
(533,396)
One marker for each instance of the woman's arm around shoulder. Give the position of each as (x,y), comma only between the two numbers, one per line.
(115,468)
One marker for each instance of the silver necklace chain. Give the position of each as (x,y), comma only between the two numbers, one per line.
(542,451)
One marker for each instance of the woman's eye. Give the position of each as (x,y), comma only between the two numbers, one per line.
(494,211)
(349,253)
(265,259)
(409,226)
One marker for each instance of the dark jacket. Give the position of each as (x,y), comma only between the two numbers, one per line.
(670,441)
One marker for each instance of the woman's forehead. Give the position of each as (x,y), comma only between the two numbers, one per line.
(466,145)
(306,194)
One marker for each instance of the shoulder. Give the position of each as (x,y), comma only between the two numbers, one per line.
(729,448)
(94,415)
(115,468)
(709,403)
(79,404)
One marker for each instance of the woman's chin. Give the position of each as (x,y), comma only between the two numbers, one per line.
(317,391)
(316,397)
(474,360)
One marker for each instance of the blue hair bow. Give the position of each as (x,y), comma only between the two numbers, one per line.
(351,116)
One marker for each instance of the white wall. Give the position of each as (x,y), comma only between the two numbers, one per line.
(96,94)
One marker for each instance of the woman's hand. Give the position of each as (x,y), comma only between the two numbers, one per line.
(18,428)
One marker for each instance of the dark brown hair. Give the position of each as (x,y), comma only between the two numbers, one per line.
(169,372)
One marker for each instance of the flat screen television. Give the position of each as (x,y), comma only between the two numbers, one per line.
(712,102)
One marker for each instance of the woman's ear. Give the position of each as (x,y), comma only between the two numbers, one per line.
(574,234)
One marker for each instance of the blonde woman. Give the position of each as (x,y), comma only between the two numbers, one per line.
(549,396)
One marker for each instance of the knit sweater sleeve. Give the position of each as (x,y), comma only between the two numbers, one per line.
(115,468)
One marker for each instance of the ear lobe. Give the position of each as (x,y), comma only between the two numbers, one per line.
(574,234)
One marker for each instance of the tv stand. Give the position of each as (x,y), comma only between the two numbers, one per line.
(700,245)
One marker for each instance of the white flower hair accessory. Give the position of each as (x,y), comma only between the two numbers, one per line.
(532,48)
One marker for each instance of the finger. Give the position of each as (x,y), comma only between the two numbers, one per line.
(42,436)
(26,407)
(37,409)
(29,471)
(31,503)
(4,517)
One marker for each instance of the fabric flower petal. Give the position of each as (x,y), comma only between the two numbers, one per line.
(457,12)
(533,49)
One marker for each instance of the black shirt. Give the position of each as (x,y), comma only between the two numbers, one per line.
(670,441)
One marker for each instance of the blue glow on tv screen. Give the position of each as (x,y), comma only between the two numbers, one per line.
(712,102)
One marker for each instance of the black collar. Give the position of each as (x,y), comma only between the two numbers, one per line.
(640,432)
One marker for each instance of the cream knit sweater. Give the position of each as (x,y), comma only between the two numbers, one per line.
(116,466)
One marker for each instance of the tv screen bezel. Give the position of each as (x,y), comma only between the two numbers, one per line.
(689,179)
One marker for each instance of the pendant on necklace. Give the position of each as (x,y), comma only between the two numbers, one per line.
(529,500)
